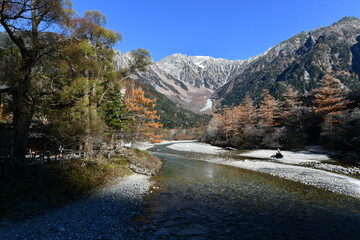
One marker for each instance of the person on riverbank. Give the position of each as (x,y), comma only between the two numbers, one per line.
(278,154)
(61,151)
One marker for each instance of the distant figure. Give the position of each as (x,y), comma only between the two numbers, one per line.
(278,154)
(61,151)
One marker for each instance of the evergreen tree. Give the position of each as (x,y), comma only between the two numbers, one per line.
(87,76)
(116,112)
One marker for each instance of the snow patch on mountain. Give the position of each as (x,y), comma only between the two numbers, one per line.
(208,106)
(185,79)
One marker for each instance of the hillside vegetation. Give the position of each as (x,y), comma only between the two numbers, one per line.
(300,62)
(327,117)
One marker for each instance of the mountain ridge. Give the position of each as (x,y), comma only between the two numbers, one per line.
(298,62)
(188,80)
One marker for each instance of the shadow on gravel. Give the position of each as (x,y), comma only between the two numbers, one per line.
(105,215)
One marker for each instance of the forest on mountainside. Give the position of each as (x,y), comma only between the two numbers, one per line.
(300,61)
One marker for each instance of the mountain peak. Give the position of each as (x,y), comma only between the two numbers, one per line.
(300,62)
(347,19)
(178,55)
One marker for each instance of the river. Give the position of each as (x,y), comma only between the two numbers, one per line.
(195,199)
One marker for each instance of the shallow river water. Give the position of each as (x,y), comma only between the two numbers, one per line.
(201,200)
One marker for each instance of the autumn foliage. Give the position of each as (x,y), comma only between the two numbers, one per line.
(3,115)
(293,121)
(329,97)
(143,115)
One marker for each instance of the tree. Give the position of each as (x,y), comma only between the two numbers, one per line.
(329,97)
(97,42)
(214,130)
(329,103)
(88,78)
(143,116)
(138,62)
(115,111)
(268,110)
(229,118)
(249,112)
(295,120)
(291,100)
(240,117)
(234,126)
(26,23)
(344,134)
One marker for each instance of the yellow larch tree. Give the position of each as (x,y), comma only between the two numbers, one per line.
(290,102)
(330,102)
(248,111)
(268,109)
(143,115)
(329,97)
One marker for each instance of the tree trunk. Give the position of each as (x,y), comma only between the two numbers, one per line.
(23,112)
(88,119)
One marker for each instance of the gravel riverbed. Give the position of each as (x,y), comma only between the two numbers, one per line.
(304,167)
(105,214)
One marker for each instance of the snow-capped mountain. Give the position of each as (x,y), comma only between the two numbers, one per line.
(189,80)
(201,71)
(198,83)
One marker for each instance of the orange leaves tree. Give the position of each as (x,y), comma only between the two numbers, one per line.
(329,97)
(330,104)
(247,126)
(143,117)
(233,126)
(268,110)
(294,122)
(4,116)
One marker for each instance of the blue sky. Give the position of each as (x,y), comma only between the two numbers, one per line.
(231,29)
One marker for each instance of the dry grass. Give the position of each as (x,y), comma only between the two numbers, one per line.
(144,160)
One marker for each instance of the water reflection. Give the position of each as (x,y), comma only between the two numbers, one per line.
(201,200)
(209,171)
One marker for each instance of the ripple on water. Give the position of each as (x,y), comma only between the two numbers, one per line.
(202,200)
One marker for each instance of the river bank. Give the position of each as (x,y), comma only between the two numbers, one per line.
(38,188)
(104,215)
(205,199)
(309,168)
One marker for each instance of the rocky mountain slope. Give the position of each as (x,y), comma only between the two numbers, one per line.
(197,82)
(189,80)
(300,62)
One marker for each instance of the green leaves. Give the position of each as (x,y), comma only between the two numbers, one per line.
(140,60)
(115,111)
